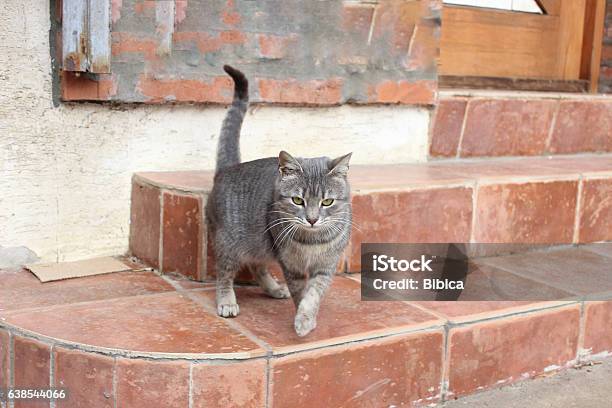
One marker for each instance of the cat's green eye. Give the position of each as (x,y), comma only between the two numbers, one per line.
(327,202)
(297,200)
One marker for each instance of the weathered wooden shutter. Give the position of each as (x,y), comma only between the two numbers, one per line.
(86,43)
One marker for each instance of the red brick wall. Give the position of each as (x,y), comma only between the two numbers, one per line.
(294,52)
(605,77)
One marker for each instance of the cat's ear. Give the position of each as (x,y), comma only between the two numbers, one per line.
(287,164)
(340,165)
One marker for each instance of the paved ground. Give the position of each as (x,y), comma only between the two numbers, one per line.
(586,387)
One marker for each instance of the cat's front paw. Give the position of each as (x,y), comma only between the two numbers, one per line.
(228,309)
(280,292)
(304,324)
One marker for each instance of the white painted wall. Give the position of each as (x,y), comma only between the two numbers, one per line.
(65,172)
(527,6)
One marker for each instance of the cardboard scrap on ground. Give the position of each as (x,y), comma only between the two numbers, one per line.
(48,272)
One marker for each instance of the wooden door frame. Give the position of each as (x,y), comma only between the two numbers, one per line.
(571,60)
(593,42)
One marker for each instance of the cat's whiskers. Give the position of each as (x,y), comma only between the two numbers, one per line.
(285,228)
(283,233)
(345,222)
(279,221)
(348,213)
(295,230)
(338,231)
(333,228)
(355,223)
(290,229)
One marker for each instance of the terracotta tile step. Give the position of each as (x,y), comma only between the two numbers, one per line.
(549,200)
(493,124)
(151,339)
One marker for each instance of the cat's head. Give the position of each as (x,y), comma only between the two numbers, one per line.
(314,193)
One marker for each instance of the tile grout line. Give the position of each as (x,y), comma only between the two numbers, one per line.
(173,189)
(160,250)
(468,183)
(11,404)
(129,354)
(473,225)
(517,180)
(203,235)
(435,313)
(342,343)
(170,189)
(535,279)
(444,385)
(484,181)
(346,343)
(504,313)
(498,94)
(114,390)
(517,313)
(581,353)
(596,175)
(52,362)
(236,326)
(10,312)
(579,194)
(463,126)
(372,23)
(268,383)
(345,258)
(407,188)
(413,35)
(508,158)
(433,114)
(190,402)
(553,124)
(584,247)
(374,338)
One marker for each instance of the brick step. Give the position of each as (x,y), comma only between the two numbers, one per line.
(481,123)
(544,200)
(155,340)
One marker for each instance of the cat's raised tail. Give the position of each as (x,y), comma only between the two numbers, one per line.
(228,150)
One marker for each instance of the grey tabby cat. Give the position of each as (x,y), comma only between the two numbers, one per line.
(292,210)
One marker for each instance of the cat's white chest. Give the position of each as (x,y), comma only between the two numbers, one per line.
(307,257)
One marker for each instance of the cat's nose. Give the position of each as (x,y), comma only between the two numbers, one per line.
(312,221)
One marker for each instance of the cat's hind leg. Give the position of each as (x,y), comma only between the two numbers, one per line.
(266,281)
(227,306)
